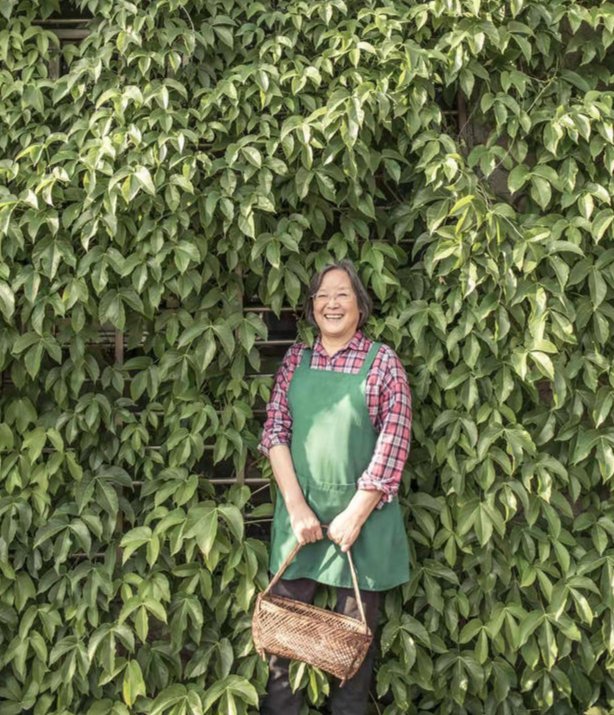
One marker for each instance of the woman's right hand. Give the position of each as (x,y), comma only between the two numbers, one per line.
(305,524)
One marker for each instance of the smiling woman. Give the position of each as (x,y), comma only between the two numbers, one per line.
(338,303)
(337,434)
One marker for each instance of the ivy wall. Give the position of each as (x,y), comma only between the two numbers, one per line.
(167,187)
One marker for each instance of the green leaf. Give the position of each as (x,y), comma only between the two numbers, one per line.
(34,442)
(225,35)
(585,442)
(133,685)
(483,525)
(582,606)
(134,539)
(541,192)
(543,363)
(204,353)
(170,696)
(33,359)
(226,338)
(597,287)
(205,531)
(234,519)
(252,155)
(244,689)
(273,253)
(194,331)
(548,645)
(156,608)
(602,221)
(23,342)
(6,9)
(234,684)
(7,301)
(302,181)
(7,439)
(463,202)
(529,625)
(586,205)
(470,630)
(605,460)
(517,178)
(144,179)
(246,224)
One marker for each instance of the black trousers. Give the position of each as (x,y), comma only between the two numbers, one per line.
(353,697)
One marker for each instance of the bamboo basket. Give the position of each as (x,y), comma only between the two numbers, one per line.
(333,642)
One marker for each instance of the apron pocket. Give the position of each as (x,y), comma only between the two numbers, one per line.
(328,500)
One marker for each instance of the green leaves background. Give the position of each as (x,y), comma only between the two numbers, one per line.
(189,159)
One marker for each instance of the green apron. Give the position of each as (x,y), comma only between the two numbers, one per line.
(332,444)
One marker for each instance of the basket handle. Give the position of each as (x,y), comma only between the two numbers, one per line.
(294,552)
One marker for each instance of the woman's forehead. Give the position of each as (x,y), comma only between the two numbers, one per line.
(336,278)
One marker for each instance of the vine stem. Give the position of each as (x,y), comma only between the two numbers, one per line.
(529,110)
(260,489)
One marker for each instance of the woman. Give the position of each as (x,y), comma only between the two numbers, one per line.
(337,434)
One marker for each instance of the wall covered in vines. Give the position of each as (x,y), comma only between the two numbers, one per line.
(188,160)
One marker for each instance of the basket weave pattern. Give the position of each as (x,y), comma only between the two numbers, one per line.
(292,629)
(331,641)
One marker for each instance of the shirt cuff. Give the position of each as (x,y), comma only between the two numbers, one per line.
(270,441)
(371,484)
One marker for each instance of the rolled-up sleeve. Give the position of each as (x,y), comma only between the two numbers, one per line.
(278,424)
(394,421)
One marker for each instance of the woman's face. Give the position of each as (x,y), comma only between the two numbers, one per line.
(335,307)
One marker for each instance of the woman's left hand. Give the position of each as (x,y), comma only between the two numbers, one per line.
(344,529)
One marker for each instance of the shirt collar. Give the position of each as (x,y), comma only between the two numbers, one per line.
(359,343)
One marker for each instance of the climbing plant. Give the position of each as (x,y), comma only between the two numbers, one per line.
(190,159)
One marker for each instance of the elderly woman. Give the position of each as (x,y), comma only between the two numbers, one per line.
(337,434)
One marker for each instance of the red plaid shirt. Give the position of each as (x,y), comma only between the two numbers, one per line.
(388,400)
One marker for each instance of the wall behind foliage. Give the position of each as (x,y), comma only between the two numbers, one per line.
(192,157)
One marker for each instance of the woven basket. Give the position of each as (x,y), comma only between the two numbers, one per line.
(292,629)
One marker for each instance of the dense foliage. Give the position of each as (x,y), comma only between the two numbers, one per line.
(193,155)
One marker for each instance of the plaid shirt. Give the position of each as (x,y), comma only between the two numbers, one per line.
(388,401)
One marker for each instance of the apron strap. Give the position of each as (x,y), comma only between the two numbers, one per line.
(291,556)
(369,359)
(306,358)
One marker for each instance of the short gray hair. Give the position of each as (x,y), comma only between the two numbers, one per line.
(365,304)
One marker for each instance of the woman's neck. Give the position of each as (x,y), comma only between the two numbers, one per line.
(332,345)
